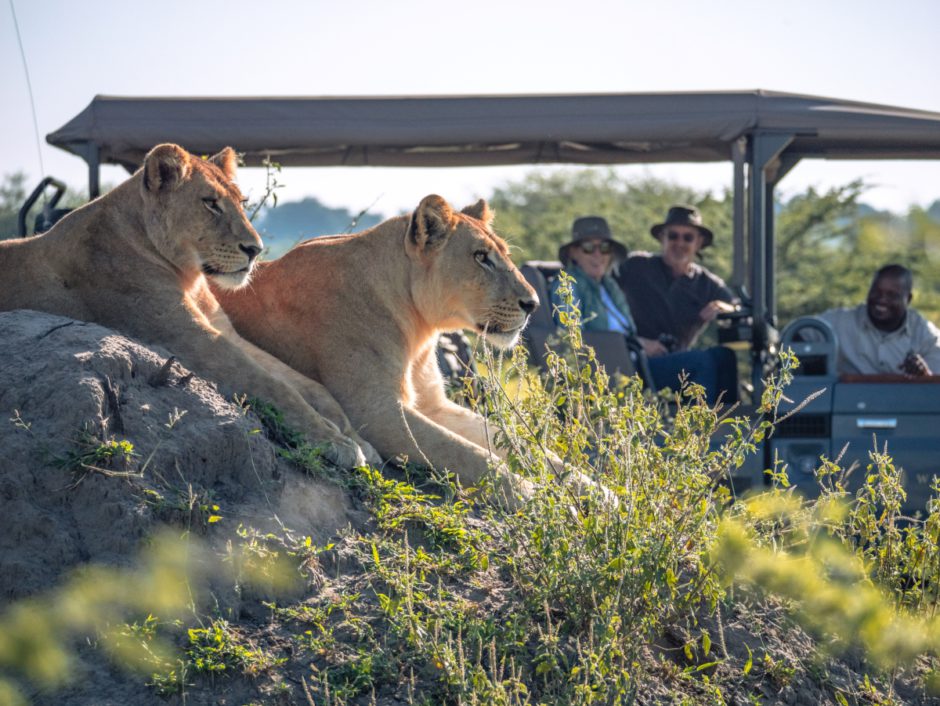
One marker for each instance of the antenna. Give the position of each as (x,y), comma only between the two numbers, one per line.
(29,86)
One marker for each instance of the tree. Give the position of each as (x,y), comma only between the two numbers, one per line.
(824,255)
(292,221)
(535,214)
(12,196)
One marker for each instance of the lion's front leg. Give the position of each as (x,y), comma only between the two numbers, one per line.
(431,401)
(214,356)
(315,394)
(396,429)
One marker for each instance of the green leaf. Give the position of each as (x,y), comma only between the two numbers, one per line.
(707,665)
(616,565)
(750,660)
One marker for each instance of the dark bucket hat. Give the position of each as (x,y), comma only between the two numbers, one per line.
(592,228)
(684,216)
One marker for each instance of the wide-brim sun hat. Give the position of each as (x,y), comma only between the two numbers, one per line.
(592,228)
(683,215)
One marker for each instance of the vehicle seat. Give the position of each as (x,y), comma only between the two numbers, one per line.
(814,342)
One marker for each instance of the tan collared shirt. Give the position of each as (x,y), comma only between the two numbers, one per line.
(866,350)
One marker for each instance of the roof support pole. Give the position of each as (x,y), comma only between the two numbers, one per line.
(781,166)
(94,172)
(91,154)
(770,259)
(765,150)
(739,242)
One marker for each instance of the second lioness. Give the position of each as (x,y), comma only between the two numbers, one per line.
(361,314)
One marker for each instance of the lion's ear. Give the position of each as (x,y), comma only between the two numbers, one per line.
(166,167)
(227,161)
(431,223)
(481,211)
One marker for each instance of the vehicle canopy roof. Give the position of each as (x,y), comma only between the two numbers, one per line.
(473,130)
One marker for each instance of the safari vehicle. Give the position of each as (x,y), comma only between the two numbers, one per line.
(762,134)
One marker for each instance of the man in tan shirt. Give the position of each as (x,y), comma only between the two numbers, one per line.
(884,335)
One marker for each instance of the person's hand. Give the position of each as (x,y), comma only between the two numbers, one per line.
(652,348)
(713,308)
(915,366)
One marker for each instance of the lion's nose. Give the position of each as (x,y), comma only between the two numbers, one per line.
(529,304)
(250,250)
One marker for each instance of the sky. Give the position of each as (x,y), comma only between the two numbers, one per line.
(860,50)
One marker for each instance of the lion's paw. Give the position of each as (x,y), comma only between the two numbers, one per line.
(345,453)
(372,456)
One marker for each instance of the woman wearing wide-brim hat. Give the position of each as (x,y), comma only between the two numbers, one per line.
(588,258)
(673,297)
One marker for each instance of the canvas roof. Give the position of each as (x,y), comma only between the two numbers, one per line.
(438,131)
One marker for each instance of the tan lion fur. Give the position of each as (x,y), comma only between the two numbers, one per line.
(362,314)
(137,260)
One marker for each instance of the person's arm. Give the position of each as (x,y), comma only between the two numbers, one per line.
(927,352)
(715,307)
(721,300)
(915,366)
(651,347)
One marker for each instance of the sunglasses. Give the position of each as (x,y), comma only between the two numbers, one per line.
(604,247)
(686,237)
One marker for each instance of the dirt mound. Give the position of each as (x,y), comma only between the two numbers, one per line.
(104,439)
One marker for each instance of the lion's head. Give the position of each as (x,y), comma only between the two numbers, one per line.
(468,279)
(194,214)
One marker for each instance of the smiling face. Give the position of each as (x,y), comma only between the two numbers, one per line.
(887,301)
(680,245)
(592,256)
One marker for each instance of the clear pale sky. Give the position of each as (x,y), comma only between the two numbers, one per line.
(866,50)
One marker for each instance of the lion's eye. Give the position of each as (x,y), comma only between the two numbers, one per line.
(483,260)
(213,206)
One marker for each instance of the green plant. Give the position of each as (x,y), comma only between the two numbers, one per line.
(112,457)
(291,444)
(220,648)
(189,507)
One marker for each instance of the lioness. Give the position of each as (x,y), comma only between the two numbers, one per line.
(362,313)
(137,260)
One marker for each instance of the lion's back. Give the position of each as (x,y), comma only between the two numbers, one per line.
(65,270)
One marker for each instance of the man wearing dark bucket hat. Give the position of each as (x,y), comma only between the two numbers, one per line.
(673,298)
